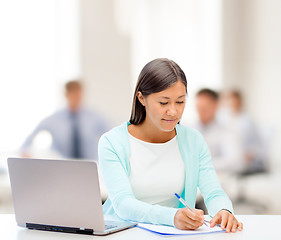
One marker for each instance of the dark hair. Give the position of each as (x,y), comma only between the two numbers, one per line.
(73,85)
(156,76)
(209,93)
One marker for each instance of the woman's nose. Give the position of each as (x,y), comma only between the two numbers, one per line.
(172,111)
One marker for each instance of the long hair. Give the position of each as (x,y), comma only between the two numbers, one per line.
(156,76)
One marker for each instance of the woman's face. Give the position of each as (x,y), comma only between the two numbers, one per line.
(164,109)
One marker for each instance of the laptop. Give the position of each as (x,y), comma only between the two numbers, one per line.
(59,195)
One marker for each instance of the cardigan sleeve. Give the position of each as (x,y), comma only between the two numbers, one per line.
(214,196)
(124,203)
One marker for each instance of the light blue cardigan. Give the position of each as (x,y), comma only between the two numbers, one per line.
(114,153)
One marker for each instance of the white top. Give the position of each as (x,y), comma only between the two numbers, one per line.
(157,171)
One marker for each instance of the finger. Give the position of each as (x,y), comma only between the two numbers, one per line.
(192,225)
(181,225)
(179,219)
(229,223)
(195,222)
(240,226)
(199,212)
(223,221)
(234,227)
(188,226)
(214,220)
(193,215)
(186,223)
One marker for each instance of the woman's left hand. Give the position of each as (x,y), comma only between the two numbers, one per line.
(227,221)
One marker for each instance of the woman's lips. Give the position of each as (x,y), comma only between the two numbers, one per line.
(170,120)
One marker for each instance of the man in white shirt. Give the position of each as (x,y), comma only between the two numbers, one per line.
(233,114)
(224,144)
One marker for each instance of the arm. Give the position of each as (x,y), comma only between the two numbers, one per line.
(28,141)
(217,202)
(125,204)
(215,198)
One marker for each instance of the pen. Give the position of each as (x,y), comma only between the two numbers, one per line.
(185,204)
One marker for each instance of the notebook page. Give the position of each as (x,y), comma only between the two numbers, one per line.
(167,230)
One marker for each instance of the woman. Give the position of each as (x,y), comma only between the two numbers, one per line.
(151,157)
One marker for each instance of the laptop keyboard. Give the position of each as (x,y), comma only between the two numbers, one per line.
(108,226)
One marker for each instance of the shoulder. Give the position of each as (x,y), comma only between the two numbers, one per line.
(116,134)
(59,113)
(53,118)
(187,132)
(90,112)
(190,139)
(115,143)
(93,116)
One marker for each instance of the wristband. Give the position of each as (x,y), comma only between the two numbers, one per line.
(227,210)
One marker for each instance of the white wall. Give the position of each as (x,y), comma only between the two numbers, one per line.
(188,32)
(252,61)
(119,37)
(105,55)
(27,76)
(39,51)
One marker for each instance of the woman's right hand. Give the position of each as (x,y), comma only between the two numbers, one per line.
(186,219)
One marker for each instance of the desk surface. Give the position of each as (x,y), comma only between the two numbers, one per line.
(255,227)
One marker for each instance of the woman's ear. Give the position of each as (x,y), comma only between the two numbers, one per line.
(140,98)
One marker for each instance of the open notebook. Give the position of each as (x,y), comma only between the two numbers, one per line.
(168,231)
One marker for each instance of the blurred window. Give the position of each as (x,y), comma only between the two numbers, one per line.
(188,32)
(39,48)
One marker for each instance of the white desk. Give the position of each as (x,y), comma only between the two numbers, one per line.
(258,227)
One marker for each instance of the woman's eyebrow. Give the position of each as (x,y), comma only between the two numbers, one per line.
(169,98)
(182,96)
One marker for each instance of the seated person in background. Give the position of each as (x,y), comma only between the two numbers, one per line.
(75,130)
(234,117)
(151,157)
(224,144)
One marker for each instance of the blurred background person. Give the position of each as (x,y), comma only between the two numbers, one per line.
(75,130)
(223,143)
(233,115)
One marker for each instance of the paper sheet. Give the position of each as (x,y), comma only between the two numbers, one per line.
(167,230)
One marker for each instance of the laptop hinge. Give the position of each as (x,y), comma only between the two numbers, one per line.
(59,228)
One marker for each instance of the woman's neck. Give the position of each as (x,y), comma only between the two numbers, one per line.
(150,133)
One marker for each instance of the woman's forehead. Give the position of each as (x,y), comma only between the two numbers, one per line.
(177,90)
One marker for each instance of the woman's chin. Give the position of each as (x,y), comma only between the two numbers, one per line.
(168,127)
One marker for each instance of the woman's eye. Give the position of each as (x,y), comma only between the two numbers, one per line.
(163,103)
(180,102)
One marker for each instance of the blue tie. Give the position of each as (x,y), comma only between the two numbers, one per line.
(76,151)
